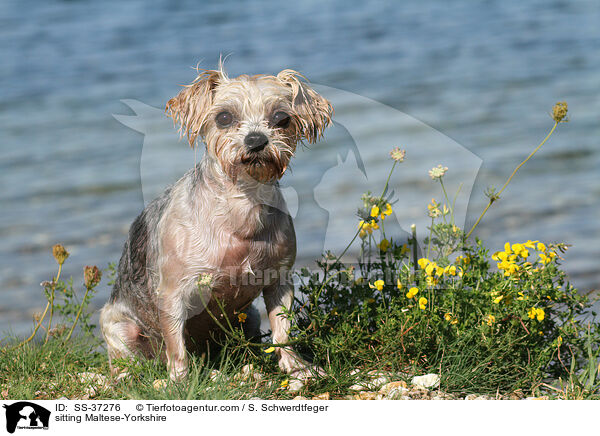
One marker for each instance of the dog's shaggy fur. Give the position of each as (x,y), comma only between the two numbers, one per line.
(222,232)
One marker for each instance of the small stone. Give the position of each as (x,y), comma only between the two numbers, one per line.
(426,381)
(160,384)
(324,396)
(418,394)
(366,396)
(300,398)
(393,385)
(357,387)
(295,385)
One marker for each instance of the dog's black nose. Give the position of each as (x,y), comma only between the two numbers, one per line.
(256,141)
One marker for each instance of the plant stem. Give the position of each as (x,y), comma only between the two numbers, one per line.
(87,290)
(448,201)
(510,178)
(51,302)
(414,248)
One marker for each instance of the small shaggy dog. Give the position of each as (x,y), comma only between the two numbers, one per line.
(221,234)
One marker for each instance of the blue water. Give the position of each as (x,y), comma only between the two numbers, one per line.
(483,74)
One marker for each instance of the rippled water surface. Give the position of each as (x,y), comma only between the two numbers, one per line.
(468,85)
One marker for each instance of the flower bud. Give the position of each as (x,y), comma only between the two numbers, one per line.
(559,111)
(91,276)
(60,253)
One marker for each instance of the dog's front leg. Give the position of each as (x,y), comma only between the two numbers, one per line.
(278,297)
(172,312)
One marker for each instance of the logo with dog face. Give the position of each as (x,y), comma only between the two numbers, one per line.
(26,415)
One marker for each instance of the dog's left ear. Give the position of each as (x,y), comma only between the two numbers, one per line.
(190,107)
(313,111)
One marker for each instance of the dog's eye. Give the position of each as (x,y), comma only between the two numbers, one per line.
(224,119)
(280,119)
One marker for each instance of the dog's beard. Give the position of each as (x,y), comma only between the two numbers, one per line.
(264,167)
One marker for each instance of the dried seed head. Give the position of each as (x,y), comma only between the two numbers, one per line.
(91,276)
(60,253)
(559,112)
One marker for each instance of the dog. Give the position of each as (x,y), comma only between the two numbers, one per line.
(213,241)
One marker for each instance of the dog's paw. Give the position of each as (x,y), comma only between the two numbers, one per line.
(307,371)
(297,367)
(178,373)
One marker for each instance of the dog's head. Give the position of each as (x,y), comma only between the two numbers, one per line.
(250,123)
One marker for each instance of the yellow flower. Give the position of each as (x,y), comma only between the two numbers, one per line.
(378,284)
(404,249)
(242,317)
(450,269)
(520,250)
(451,318)
(521,296)
(285,383)
(430,268)
(559,341)
(270,350)
(498,299)
(412,292)
(540,314)
(422,303)
(490,320)
(530,244)
(384,245)
(387,210)
(541,246)
(399,284)
(374,211)
(507,248)
(423,262)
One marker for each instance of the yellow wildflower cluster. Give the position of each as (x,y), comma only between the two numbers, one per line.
(367,227)
(490,320)
(507,259)
(376,212)
(412,292)
(451,318)
(422,303)
(536,313)
(378,284)
(434,271)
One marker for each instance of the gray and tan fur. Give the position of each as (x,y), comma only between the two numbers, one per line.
(224,223)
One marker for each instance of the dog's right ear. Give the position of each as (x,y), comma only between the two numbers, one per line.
(190,107)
